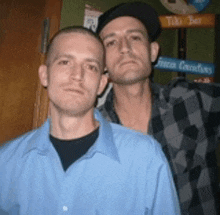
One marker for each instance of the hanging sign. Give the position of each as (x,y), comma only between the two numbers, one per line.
(91,17)
(185,66)
(188,21)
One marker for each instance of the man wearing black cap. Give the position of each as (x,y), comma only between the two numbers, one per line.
(183,116)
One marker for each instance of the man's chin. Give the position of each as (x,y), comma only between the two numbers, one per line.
(129,81)
(74,110)
(75,113)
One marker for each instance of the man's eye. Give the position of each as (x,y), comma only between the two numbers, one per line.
(63,62)
(92,68)
(135,37)
(110,43)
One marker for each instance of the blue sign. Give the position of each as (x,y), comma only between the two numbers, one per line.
(200,4)
(185,66)
(185,6)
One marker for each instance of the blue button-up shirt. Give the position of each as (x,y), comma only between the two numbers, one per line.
(123,173)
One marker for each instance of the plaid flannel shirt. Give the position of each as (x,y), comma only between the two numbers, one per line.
(186,121)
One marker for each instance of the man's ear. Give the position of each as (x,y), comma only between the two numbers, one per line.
(154,51)
(103,83)
(43,75)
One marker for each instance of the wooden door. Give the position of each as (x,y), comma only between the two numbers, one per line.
(20,56)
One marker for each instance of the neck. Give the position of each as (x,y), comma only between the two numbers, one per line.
(133,105)
(66,127)
(128,97)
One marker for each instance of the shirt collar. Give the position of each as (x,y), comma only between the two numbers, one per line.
(104,144)
(40,139)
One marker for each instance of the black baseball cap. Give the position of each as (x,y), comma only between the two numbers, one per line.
(139,10)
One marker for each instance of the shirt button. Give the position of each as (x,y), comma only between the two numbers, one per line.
(65,208)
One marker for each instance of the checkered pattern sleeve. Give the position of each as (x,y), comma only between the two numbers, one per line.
(210,97)
(189,114)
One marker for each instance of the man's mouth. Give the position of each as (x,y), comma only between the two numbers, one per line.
(74,90)
(127,62)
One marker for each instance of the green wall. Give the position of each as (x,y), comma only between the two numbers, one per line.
(200,42)
(73,10)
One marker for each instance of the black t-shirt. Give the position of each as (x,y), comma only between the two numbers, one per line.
(71,150)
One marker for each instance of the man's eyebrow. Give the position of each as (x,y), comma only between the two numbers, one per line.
(138,31)
(62,55)
(93,60)
(128,31)
(109,35)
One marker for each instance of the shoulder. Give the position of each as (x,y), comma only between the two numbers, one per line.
(135,143)
(15,148)
(180,86)
(206,95)
(125,133)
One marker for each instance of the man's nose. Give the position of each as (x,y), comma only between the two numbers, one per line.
(124,46)
(77,72)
